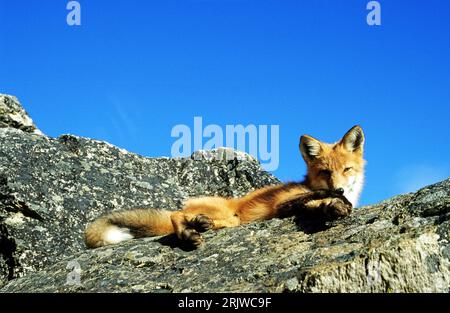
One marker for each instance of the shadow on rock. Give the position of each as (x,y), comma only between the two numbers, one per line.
(311,225)
(173,242)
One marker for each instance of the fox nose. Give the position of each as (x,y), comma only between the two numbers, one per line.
(340,190)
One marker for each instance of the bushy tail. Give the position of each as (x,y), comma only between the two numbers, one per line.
(125,225)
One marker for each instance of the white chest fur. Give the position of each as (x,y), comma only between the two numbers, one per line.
(353,189)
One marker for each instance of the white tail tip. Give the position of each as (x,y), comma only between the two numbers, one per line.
(114,235)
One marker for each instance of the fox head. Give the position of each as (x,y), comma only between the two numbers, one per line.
(338,165)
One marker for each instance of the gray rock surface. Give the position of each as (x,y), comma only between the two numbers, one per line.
(50,188)
(13,115)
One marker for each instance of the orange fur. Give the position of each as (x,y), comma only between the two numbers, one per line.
(330,166)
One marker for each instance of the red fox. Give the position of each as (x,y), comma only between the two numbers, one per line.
(334,180)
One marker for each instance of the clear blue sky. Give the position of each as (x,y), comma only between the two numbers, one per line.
(135,69)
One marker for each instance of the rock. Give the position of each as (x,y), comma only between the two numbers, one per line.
(388,247)
(50,188)
(13,115)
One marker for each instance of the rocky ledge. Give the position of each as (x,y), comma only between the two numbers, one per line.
(50,188)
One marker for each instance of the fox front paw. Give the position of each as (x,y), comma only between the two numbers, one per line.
(192,237)
(202,223)
(336,207)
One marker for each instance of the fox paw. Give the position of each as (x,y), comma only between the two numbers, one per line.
(192,237)
(336,207)
(333,193)
(202,223)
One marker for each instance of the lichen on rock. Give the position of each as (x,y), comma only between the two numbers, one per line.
(13,115)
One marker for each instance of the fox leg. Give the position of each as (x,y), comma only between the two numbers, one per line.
(330,207)
(184,229)
(202,214)
(201,223)
(204,222)
(333,207)
(320,203)
(232,221)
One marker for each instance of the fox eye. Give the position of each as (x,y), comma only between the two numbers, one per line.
(325,172)
(348,169)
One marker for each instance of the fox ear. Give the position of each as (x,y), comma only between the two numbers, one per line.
(309,147)
(353,140)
